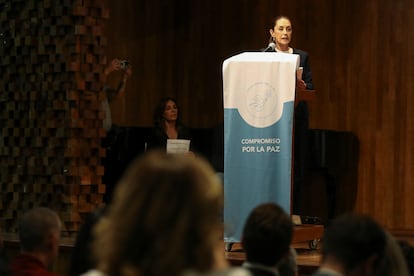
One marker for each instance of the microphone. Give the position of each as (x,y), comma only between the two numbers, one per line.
(270,47)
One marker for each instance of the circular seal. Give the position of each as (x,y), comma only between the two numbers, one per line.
(259,105)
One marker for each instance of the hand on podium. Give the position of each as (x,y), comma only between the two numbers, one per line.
(300,85)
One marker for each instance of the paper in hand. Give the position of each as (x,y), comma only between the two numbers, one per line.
(299,73)
(178,146)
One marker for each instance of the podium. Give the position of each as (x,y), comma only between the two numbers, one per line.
(304,95)
(259,101)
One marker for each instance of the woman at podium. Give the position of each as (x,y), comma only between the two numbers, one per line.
(280,38)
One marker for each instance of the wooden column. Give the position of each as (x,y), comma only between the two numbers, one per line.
(50,94)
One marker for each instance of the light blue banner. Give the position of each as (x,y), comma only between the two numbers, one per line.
(257,166)
(258,96)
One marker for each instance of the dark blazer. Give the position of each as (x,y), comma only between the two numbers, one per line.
(301,110)
(304,62)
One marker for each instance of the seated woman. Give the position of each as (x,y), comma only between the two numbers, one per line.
(167,124)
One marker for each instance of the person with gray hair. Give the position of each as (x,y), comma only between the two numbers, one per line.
(39,234)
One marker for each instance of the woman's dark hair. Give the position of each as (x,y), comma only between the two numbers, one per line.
(277,18)
(159,112)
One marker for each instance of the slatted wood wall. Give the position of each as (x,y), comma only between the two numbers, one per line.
(52,56)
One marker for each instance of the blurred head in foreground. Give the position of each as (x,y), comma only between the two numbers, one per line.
(165,218)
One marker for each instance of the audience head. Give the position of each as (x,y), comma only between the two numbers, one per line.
(356,243)
(289,266)
(39,232)
(166,110)
(164,219)
(394,260)
(267,235)
(408,252)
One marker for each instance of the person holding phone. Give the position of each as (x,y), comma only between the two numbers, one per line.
(112,142)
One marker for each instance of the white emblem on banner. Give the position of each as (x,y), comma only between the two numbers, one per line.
(259,105)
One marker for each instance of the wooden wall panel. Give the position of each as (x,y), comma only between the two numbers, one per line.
(361,56)
(50,96)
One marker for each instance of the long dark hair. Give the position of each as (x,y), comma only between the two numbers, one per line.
(158,117)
